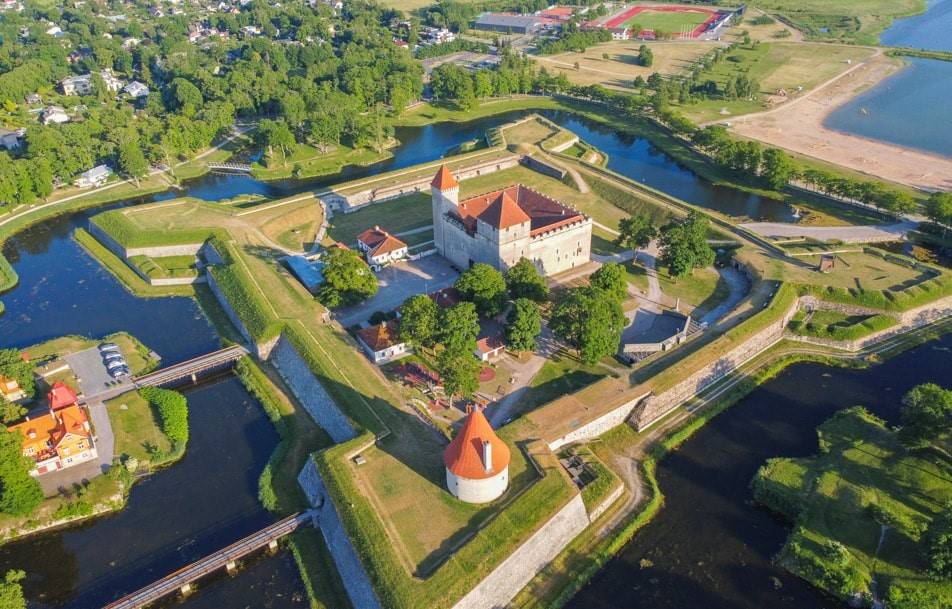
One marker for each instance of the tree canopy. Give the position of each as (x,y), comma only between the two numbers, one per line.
(20,493)
(525,281)
(419,321)
(347,278)
(610,278)
(485,287)
(684,245)
(635,232)
(524,325)
(589,320)
(926,415)
(11,592)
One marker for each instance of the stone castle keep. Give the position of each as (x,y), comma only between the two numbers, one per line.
(501,227)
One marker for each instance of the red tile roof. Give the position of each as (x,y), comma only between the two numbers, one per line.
(372,237)
(446,298)
(444,180)
(464,455)
(61,396)
(380,337)
(544,213)
(389,244)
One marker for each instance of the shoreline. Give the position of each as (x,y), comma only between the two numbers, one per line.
(799,126)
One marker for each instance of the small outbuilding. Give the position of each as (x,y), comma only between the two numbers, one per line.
(827,263)
(382,342)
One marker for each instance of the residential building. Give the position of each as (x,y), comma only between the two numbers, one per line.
(33,99)
(83,84)
(96,176)
(380,248)
(56,440)
(476,461)
(382,342)
(61,396)
(55,31)
(10,390)
(136,89)
(54,114)
(502,227)
(11,140)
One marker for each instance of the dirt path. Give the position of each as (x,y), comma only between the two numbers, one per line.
(846,234)
(798,126)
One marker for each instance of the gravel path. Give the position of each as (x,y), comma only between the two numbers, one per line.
(846,234)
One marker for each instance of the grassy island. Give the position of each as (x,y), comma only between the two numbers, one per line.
(861,509)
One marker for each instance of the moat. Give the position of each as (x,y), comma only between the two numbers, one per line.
(210,498)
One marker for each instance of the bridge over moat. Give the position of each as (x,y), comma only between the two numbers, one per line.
(183,579)
(191,369)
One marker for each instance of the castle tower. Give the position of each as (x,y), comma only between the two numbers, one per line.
(445,191)
(477,461)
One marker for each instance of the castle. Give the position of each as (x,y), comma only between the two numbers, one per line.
(501,227)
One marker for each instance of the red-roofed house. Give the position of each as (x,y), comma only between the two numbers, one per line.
(61,395)
(56,440)
(382,342)
(501,227)
(380,247)
(477,461)
(490,343)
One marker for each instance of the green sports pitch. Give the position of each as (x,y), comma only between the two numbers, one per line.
(665,21)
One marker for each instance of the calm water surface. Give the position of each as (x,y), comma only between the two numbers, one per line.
(911,108)
(711,548)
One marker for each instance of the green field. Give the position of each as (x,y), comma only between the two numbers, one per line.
(136,426)
(858,21)
(872,496)
(663,21)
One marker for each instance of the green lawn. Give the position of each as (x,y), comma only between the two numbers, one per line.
(166,267)
(307,161)
(406,213)
(861,479)
(850,20)
(662,21)
(135,423)
(562,374)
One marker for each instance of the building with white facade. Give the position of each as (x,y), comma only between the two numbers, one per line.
(96,176)
(477,461)
(502,227)
(380,248)
(136,89)
(83,84)
(382,342)
(54,115)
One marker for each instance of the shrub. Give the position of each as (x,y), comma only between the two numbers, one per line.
(73,509)
(173,412)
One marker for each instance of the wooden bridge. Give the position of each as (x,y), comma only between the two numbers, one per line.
(190,370)
(230,167)
(182,580)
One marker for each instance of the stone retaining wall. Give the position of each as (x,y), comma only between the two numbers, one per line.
(654,407)
(512,574)
(309,391)
(602,507)
(598,426)
(229,311)
(352,573)
(816,304)
(158,251)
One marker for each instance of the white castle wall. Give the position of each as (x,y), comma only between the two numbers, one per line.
(478,491)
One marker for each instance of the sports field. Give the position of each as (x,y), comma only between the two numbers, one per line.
(688,20)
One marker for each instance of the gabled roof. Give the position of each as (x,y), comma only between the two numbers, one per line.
(504,212)
(61,396)
(372,237)
(381,336)
(444,180)
(389,244)
(464,455)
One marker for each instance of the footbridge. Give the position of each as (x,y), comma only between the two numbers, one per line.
(190,370)
(230,167)
(183,579)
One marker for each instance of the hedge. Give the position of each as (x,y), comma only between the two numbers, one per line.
(173,413)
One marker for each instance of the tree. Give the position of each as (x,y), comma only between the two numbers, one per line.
(184,97)
(459,327)
(524,325)
(938,546)
(276,135)
(20,493)
(684,246)
(610,279)
(645,57)
(590,321)
(635,232)
(777,168)
(525,281)
(484,286)
(419,320)
(11,592)
(459,373)
(926,415)
(131,160)
(10,412)
(939,209)
(347,279)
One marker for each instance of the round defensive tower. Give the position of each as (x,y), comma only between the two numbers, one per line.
(477,461)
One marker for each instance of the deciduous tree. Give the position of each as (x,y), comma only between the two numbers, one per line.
(484,286)
(524,325)
(684,246)
(20,493)
(926,415)
(419,320)
(590,321)
(635,232)
(610,279)
(347,279)
(525,281)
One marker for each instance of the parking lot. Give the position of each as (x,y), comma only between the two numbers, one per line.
(93,377)
(399,282)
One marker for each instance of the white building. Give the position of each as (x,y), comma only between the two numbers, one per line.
(382,343)
(54,115)
(83,84)
(96,176)
(136,89)
(502,227)
(380,248)
(477,462)
(11,140)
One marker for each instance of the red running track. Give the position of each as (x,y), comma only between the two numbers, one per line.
(623,18)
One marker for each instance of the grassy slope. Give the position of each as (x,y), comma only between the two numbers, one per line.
(831,497)
(860,21)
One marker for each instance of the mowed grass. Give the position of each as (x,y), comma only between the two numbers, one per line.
(832,496)
(406,213)
(853,20)
(561,374)
(665,21)
(402,474)
(775,66)
(135,424)
(852,270)
(531,131)
(620,69)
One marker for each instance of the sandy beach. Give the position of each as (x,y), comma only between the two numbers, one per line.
(798,126)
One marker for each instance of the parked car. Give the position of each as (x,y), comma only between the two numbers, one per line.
(117,372)
(116,364)
(113,347)
(112,356)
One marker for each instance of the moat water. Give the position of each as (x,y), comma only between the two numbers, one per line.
(910,108)
(209,499)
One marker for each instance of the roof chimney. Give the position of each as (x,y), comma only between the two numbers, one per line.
(488,455)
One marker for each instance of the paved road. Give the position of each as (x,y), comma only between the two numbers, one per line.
(738,285)
(846,234)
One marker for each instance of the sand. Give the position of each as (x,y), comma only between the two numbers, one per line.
(798,126)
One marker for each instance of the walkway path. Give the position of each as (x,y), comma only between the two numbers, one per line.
(524,373)
(738,285)
(846,234)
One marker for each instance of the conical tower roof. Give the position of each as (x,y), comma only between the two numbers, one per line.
(464,455)
(444,180)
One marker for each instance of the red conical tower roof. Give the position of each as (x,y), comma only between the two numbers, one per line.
(464,455)
(444,180)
